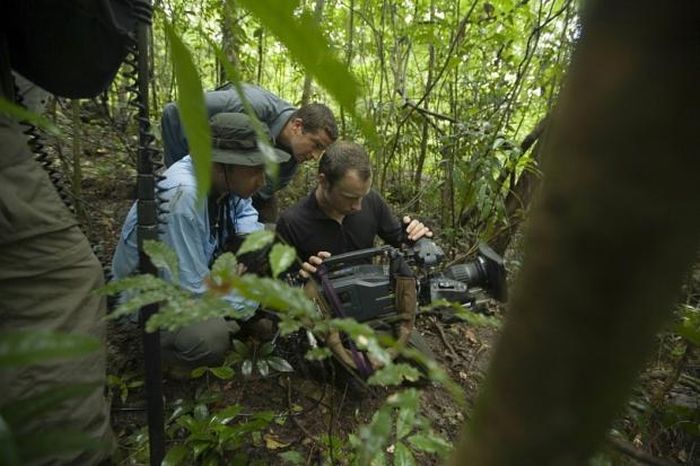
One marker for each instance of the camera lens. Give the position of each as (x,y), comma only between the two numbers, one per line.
(471,273)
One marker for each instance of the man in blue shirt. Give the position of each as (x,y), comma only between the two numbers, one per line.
(304,133)
(198,231)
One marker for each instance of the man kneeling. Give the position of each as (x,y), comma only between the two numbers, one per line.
(199,231)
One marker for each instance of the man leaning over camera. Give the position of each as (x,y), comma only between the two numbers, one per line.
(343,213)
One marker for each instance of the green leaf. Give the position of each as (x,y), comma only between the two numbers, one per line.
(266,349)
(163,257)
(241,348)
(197,372)
(318,354)
(263,367)
(24,347)
(403,455)
(375,435)
(201,412)
(689,326)
(281,257)
(192,110)
(223,373)
(145,282)
(273,294)
(305,41)
(291,457)
(224,268)
(226,415)
(256,240)
(247,368)
(21,114)
(279,364)
(175,456)
(20,412)
(394,374)
(430,443)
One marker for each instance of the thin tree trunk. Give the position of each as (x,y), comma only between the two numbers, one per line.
(348,54)
(418,176)
(306,94)
(614,231)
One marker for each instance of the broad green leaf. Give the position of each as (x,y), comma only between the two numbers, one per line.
(306,43)
(163,257)
(266,349)
(223,373)
(225,266)
(263,367)
(403,455)
(241,348)
(279,364)
(255,241)
(136,301)
(21,114)
(180,311)
(192,110)
(20,412)
(175,456)
(201,412)
(291,457)
(273,294)
(23,347)
(430,443)
(247,368)
(394,374)
(145,282)
(281,257)
(198,372)
(226,415)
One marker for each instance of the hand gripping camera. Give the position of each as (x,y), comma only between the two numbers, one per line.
(366,291)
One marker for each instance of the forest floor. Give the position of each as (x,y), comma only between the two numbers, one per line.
(311,404)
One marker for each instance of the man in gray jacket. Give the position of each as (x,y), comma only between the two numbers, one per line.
(303,133)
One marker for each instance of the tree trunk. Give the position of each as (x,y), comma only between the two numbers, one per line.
(612,235)
(306,94)
(520,195)
(418,176)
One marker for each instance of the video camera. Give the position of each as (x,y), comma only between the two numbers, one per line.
(366,290)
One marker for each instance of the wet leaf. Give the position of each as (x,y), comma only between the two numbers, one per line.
(281,257)
(279,364)
(192,110)
(163,257)
(256,241)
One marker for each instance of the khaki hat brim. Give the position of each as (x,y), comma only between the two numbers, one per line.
(249,158)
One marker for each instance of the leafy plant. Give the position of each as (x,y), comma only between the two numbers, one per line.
(123,384)
(398,422)
(214,438)
(258,358)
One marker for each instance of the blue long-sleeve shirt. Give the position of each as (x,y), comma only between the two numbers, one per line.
(187,231)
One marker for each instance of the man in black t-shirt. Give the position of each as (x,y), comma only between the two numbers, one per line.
(343,213)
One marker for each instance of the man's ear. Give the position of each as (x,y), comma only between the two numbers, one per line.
(298,123)
(322,181)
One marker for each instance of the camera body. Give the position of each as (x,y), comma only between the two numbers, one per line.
(366,290)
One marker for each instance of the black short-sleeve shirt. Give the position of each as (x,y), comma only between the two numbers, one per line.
(309,230)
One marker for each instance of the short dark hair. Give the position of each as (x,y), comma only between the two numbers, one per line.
(317,117)
(342,156)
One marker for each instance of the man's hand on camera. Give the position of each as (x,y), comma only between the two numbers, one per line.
(415,229)
(308,268)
